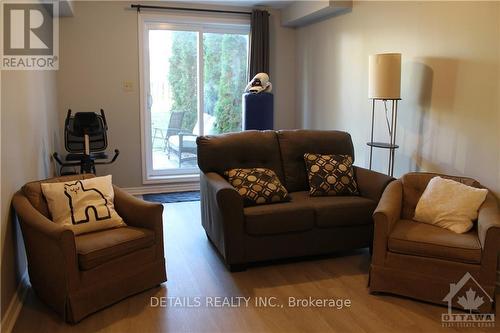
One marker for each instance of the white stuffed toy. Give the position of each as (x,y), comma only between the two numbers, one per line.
(260,83)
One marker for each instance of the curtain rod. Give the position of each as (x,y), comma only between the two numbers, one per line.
(139,7)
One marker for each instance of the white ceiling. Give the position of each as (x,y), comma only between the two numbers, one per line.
(273,4)
(279,4)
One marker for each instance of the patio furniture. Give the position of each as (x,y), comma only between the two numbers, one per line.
(158,134)
(174,128)
(183,143)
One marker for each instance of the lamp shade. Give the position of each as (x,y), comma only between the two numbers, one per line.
(384,76)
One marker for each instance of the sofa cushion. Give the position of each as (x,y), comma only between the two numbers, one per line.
(414,184)
(330,175)
(335,211)
(295,143)
(257,185)
(421,239)
(248,149)
(278,218)
(33,191)
(99,247)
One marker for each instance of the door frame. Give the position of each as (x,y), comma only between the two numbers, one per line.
(200,23)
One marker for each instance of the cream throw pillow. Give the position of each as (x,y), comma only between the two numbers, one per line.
(83,205)
(449,204)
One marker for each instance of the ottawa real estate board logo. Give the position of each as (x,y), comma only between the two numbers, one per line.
(30,38)
(470,296)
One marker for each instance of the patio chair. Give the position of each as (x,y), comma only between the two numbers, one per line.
(174,128)
(183,143)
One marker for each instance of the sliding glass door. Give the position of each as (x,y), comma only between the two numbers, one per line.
(193,79)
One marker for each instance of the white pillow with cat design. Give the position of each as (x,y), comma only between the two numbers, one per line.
(83,205)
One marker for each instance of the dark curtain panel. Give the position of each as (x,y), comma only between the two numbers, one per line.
(259,42)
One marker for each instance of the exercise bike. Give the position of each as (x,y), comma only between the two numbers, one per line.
(85,140)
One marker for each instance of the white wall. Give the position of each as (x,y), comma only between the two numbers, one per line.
(449,118)
(29,135)
(282,71)
(99,50)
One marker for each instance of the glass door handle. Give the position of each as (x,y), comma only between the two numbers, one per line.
(149,101)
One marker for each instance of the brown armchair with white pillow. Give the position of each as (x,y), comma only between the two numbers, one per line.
(421,260)
(78,274)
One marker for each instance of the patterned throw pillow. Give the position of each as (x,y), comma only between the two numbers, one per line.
(330,175)
(257,185)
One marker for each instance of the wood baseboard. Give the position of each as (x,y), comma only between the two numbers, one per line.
(16,304)
(167,188)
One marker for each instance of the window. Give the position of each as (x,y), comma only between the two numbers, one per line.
(194,71)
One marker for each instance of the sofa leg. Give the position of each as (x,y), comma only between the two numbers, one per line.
(237,267)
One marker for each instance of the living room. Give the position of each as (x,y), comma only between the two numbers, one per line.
(407,92)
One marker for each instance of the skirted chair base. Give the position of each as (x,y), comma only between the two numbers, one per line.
(83,303)
(423,279)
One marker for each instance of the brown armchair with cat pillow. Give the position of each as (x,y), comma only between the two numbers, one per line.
(78,275)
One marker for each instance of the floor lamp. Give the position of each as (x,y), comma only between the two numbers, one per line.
(384,84)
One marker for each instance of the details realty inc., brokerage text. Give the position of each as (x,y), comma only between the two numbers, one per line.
(248,301)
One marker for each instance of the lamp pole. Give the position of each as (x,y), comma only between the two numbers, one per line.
(384,84)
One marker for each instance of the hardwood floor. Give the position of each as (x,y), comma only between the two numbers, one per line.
(195,270)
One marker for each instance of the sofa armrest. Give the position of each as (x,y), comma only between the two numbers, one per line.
(387,213)
(136,212)
(50,249)
(388,210)
(488,222)
(141,214)
(222,216)
(371,183)
(488,227)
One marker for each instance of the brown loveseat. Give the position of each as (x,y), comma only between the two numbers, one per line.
(420,260)
(305,225)
(77,276)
